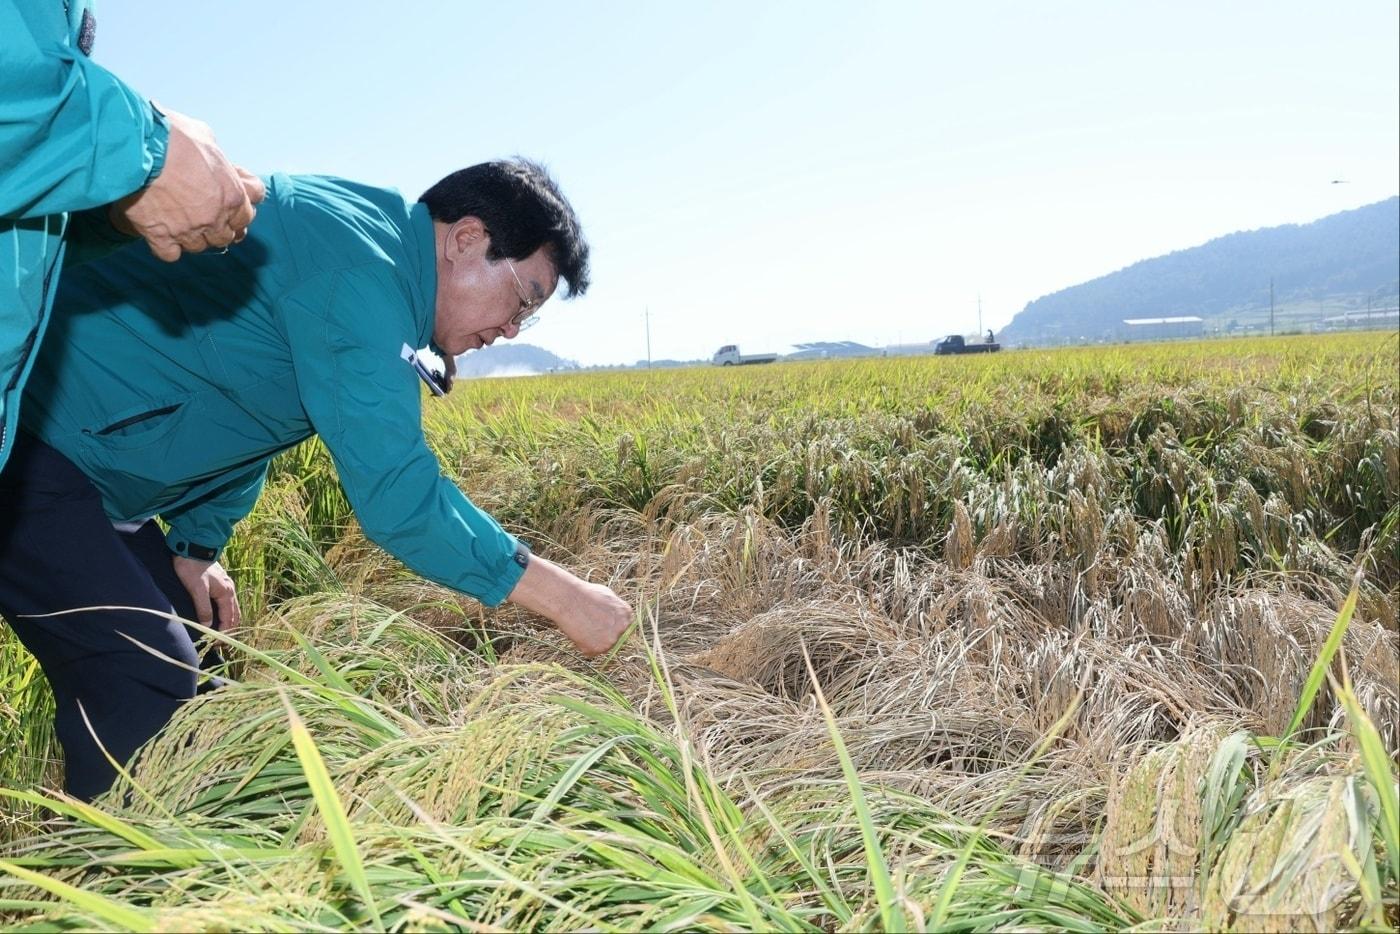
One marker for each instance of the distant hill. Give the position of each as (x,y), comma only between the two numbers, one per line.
(1328,267)
(510,360)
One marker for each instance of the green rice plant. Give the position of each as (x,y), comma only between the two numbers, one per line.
(28,748)
(891,912)
(276,555)
(331,811)
(1380,771)
(1320,667)
(93,906)
(1169,817)
(1293,861)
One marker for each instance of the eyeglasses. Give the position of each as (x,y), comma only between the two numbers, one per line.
(525,318)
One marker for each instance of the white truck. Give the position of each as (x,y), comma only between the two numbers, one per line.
(729,355)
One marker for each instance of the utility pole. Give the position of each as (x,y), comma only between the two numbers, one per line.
(979,315)
(1271,306)
(648,320)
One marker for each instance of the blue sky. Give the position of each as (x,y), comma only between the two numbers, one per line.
(766,173)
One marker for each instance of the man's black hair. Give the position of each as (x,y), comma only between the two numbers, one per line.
(523,209)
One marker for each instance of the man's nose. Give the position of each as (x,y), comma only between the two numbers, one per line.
(511,331)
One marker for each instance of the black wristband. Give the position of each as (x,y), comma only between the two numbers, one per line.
(522,555)
(191,550)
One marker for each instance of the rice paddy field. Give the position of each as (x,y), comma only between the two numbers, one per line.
(1098,639)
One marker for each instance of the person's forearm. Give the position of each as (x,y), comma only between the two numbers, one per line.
(544,588)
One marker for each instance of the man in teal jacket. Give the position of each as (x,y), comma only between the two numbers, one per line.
(72,138)
(166,389)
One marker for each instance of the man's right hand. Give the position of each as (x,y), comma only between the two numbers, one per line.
(598,619)
(591,615)
(199,200)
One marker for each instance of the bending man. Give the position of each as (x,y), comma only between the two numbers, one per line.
(168,388)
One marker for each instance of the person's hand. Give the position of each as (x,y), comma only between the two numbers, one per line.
(597,619)
(199,199)
(591,615)
(209,585)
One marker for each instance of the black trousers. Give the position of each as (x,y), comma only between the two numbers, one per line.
(58,551)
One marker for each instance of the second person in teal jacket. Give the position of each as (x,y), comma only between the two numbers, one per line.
(172,386)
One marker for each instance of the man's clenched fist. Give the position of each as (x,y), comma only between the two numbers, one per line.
(199,200)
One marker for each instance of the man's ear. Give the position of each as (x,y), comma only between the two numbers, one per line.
(464,237)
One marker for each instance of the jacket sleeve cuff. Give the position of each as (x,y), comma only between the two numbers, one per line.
(179,545)
(511,570)
(157,141)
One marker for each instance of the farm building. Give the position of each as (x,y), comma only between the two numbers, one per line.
(1380,318)
(1162,329)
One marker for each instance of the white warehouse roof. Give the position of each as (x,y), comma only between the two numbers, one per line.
(1188,319)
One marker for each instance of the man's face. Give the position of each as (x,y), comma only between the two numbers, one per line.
(480,300)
